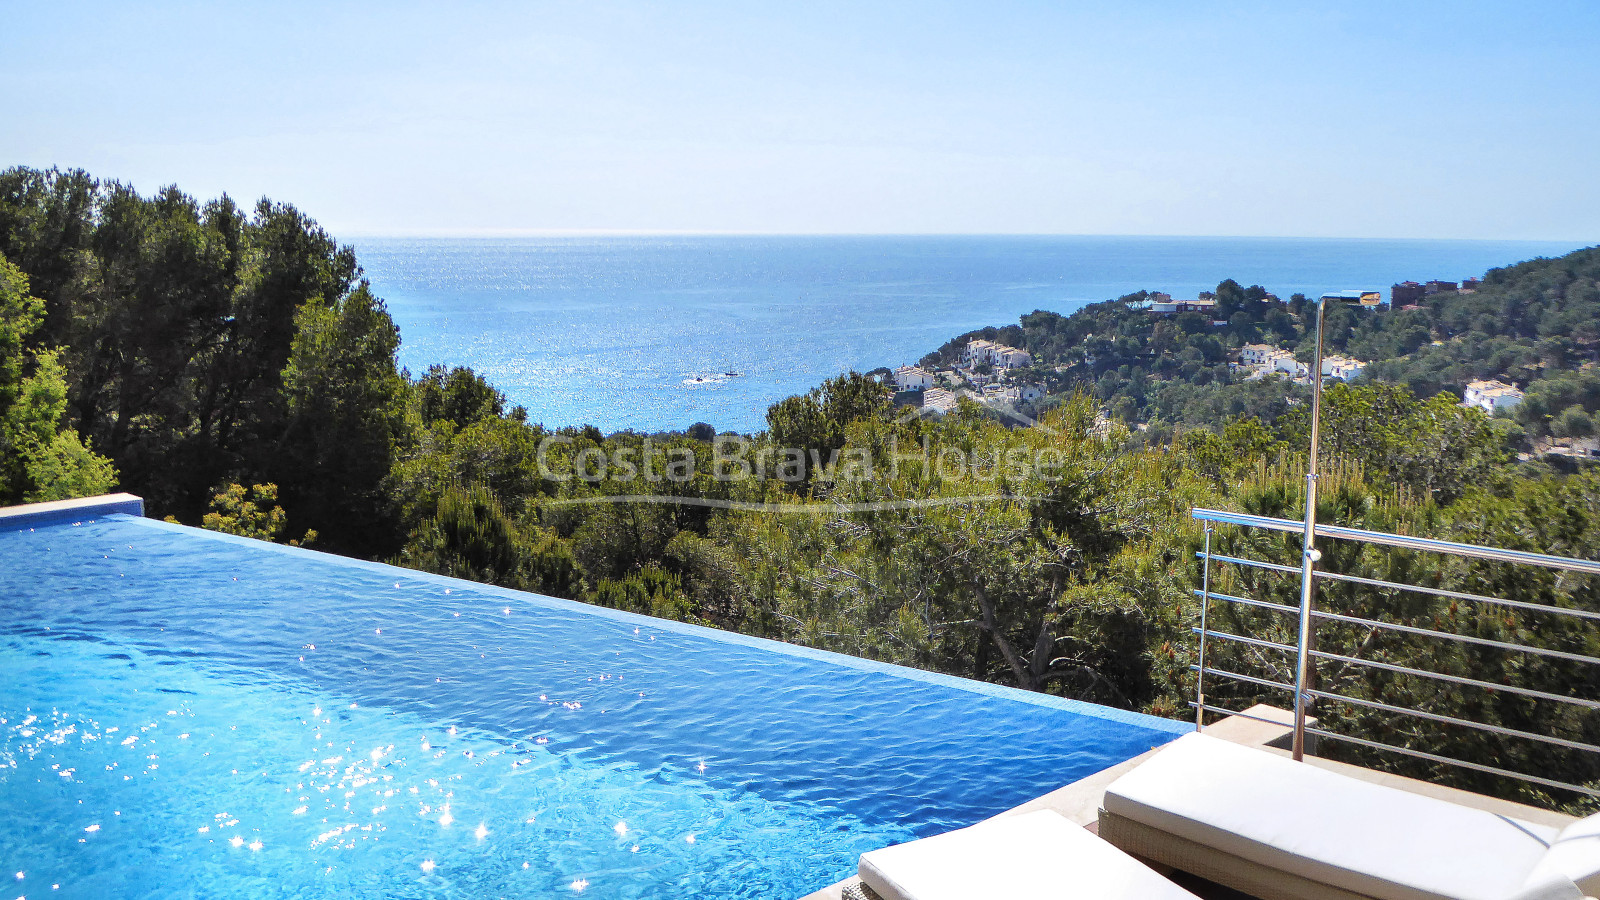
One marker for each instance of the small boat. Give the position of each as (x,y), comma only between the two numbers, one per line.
(731,374)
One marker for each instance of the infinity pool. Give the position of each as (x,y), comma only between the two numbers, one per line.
(186,714)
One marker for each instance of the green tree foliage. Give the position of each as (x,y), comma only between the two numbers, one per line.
(651,591)
(470,536)
(815,422)
(176,320)
(40,458)
(345,412)
(457,396)
(251,513)
(1434,447)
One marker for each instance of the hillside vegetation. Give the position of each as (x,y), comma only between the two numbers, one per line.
(1535,325)
(232,366)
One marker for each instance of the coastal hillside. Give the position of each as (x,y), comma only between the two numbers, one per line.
(1534,326)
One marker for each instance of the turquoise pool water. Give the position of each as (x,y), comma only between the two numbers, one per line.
(185,714)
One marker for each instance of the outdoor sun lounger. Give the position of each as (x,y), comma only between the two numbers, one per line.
(1284,830)
(1038,855)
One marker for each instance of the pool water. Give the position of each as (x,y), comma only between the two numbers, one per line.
(185,714)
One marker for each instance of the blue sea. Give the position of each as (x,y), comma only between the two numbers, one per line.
(642,332)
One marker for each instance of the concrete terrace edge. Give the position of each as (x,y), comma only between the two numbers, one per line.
(66,512)
(126,507)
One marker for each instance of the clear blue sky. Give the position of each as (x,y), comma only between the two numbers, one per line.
(1388,119)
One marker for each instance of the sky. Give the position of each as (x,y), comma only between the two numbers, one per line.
(1349,119)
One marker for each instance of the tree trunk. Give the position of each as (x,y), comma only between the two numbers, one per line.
(1019,668)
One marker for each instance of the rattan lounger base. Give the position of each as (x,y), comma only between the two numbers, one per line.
(858,891)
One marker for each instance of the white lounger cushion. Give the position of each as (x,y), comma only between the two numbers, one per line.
(1575,854)
(1554,887)
(1037,856)
(1341,831)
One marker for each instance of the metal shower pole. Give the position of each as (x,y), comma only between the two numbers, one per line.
(1309,555)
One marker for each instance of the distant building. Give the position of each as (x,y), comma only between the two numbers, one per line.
(1030,392)
(978,352)
(1342,367)
(1255,354)
(1012,358)
(1491,396)
(999,393)
(1283,362)
(1405,292)
(938,399)
(981,352)
(1468,285)
(1366,298)
(912,378)
(1164,305)
(1440,287)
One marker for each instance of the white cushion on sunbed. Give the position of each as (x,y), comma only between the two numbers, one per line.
(1038,855)
(1575,854)
(1552,887)
(1352,834)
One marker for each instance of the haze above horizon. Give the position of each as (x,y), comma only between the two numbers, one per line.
(1430,120)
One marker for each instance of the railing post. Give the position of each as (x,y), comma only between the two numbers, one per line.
(1309,554)
(1205,606)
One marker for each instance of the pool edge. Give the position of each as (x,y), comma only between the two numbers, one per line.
(63,512)
(128,508)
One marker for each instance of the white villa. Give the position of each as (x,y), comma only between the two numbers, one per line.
(1491,396)
(1268,360)
(1342,367)
(912,378)
(939,399)
(1254,355)
(1283,362)
(1000,356)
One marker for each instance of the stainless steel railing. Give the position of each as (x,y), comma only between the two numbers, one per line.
(1368,659)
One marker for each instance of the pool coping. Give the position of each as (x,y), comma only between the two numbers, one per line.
(129,508)
(64,512)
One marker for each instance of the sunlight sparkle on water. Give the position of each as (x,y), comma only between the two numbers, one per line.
(427,867)
(481,832)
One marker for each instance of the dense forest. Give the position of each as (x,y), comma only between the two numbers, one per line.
(1534,325)
(232,366)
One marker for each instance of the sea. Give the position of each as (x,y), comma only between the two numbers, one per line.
(656,333)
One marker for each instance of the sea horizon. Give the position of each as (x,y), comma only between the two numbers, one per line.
(347,235)
(654,332)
